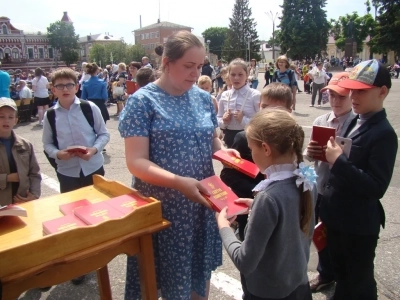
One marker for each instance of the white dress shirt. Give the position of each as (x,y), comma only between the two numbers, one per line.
(73,129)
(244,99)
(319,76)
(25,93)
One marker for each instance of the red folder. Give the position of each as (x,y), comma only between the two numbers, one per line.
(322,135)
(96,213)
(221,195)
(131,87)
(126,203)
(69,208)
(62,224)
(240,164)
(319,237)
(75,149)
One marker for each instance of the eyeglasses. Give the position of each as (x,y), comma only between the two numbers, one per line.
(62,86)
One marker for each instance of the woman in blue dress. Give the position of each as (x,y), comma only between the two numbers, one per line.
(169,130)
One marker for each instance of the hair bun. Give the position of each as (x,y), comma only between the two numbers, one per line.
(159,50)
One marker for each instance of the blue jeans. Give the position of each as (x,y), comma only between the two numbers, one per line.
(254,84)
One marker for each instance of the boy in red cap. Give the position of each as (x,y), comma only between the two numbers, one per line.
(350,208)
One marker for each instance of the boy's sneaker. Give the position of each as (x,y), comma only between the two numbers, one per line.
(319,283)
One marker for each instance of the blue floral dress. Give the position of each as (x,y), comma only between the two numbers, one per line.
(180,130)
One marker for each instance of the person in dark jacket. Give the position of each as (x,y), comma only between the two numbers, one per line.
(207,69)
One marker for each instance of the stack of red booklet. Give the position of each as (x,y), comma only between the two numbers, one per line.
(319,237)
(240,164)
(77,149)
(221,195)
(83,212)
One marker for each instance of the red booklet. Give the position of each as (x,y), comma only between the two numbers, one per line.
(240,164)
(74,149)
(319,237)
(221,195)
(96,213)
(62,224)
(321,135)
(126,203)
(69,208)
(131,87)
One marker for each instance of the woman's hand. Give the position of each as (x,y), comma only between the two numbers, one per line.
(192,189)
(222,219)
(227,116)
(231,151)
(333,151)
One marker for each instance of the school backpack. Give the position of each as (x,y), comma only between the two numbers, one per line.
(51,117)
(275,78)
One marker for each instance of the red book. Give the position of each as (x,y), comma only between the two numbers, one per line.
(62,224)
(240,164)
(221,195)
(126,203)
(322,135)
(68,209)
(96,213)
(74,149)
(319,237)
(131,87)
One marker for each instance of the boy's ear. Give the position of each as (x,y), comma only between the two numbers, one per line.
(384,91)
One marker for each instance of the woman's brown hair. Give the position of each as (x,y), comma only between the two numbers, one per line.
(280,131)
(178,43)
(91,68)
(282,58)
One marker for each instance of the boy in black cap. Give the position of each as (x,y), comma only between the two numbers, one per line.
(351,207)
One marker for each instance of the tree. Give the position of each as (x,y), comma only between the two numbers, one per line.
(304,28)
(69,57)
(361,28)
(276,41)
(135,53)
(116,52)
(98,53)
(62,38)
(216,36)
(387,30)
(242,29)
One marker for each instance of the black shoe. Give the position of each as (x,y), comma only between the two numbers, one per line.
(78,280)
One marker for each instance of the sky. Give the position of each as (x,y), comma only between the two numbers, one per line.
(90,17)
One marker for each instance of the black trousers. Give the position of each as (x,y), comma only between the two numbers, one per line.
(302,292)
(68,184)
(229,136)
(353,264)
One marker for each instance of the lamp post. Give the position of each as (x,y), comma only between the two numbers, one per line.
(208,49)
(272,16)
(248,46)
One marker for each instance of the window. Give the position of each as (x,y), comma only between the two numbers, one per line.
(147,36)
(157,34)
(142,36)
(30,53)
(1,54)
(51,54)
(15,53)
(5,29)
(41,53)
(152,46)
(152,35)
(83,52)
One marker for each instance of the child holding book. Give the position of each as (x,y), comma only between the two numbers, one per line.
(19,170)
(274,255)
(273,95)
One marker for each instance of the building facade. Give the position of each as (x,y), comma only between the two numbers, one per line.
(25,51)
(156,34)
(87,42)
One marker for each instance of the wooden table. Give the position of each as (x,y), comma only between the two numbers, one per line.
(29,260)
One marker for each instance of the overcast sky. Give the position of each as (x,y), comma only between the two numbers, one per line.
(120,18)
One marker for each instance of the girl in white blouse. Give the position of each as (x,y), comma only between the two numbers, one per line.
(238,105)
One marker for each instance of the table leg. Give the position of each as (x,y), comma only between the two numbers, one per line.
(147,271)
(104,283)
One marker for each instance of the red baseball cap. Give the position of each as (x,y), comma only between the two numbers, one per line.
(334,84)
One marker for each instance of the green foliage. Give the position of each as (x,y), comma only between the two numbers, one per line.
(216,36)
(62,38)
(386,35)
(69,56)
(304,28)
(275,41)
(116,52)
(362,27)
(241,28)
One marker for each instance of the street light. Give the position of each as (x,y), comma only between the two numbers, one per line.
(271,15)
(208,48)
(248,46)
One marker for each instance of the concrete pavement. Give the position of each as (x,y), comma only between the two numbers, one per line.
(226,281)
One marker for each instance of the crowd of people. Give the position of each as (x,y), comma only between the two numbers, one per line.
(171,125)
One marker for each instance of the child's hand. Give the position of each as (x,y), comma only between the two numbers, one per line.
(333,151)
(87,156)
(247,201)
(13,177)
(222,218)
(20,199)
(313,149)
(238,115)
(233,152)
(227,116)
(65,155)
